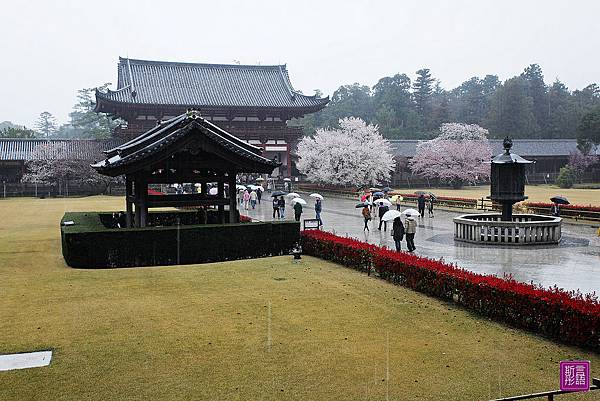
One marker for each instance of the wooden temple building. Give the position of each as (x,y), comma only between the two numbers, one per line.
(187,148)
(252,102)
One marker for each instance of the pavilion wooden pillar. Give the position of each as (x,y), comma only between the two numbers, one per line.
(128,204)
(143,198)
(232,198)
(221,196)
(136,202)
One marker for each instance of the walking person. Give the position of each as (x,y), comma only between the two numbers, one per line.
(421,205)
(259,193)
(275,206)
(398,233)
(555,210)
(430,206)
(269,186)
(410,228)
(297,211)
(281,204)
(382,210)
(318,210)
(366,213)
(253,198)
(398,200)
(246,199)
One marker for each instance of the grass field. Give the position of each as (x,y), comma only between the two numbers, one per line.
(536,193)
(249,330)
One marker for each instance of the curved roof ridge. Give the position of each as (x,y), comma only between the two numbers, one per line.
(185,63)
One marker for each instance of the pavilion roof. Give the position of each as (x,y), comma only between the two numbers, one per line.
(171,136)
(146,82)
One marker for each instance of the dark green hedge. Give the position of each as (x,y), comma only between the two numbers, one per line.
(89,244)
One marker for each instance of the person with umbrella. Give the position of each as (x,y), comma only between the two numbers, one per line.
(430,205)
(366,213)
(410,228)
(398,233)
(259,193)
(318,210)
(383,207)
(253,198)
(297,210)
(281,204)
(421,205)
(557,201)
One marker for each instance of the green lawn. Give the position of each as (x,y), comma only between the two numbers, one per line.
(207,331)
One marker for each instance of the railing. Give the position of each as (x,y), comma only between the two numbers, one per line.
(524,229)
(549,394)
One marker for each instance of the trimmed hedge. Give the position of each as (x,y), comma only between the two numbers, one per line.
(566,316)
(90,244)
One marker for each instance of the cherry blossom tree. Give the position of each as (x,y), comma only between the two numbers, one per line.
(53,163)
(355,154)
(579,162)
(457,156)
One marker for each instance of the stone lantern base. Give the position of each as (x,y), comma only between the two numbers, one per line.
(524,229)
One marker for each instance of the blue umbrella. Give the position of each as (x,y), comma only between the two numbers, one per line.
(378,193)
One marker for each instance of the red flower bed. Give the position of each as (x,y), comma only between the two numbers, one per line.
(581,208)
(567,316)
(245,219)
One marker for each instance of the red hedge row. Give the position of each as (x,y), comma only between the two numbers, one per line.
(441,198)
(566,316)
(581,208)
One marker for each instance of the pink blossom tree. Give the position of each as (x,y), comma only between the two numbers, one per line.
(579,162)
(457,156)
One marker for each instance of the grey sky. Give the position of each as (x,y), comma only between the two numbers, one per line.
(49,49)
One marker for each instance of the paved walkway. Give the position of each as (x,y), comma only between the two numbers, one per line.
(573,264)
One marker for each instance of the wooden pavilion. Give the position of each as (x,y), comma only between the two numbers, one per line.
(187,148)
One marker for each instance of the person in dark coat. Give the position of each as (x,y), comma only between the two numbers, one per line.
(421,205)
(430,206)
(297,210)
(276,207)
(398,233)
(382,210)
(259,194)
(281,204)
(318,210)
(555,210)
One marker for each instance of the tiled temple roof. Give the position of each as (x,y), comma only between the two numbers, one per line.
(76,149)
(147,82)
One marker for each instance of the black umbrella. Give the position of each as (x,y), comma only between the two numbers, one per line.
(278,193)
(420,193)
(362,204)
(561,200)
(432,196)
(387,189)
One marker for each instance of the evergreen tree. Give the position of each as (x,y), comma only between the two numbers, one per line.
(46,124)
(85,122)
(394,109)
(562,116)
(17,132)
(422,91)
(537,91)
(588,128)
(511,111)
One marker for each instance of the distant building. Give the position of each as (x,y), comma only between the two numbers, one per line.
(252,102)
(15,153)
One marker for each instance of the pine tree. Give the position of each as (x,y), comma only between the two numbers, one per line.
(46,124)
(537,91)
(422,91)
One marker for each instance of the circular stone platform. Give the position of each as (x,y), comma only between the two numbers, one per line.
(524,229)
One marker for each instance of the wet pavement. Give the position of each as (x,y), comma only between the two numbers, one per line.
(573,264)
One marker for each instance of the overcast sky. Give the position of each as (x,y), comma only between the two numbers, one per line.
(50,49)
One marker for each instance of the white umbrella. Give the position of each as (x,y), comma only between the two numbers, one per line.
(293,195)
(213,191)
(411,212)
(299,200)
(287,179)
(238,186)
(391,215)
(383,202)
(315,195)
(254,187)
(260,179)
